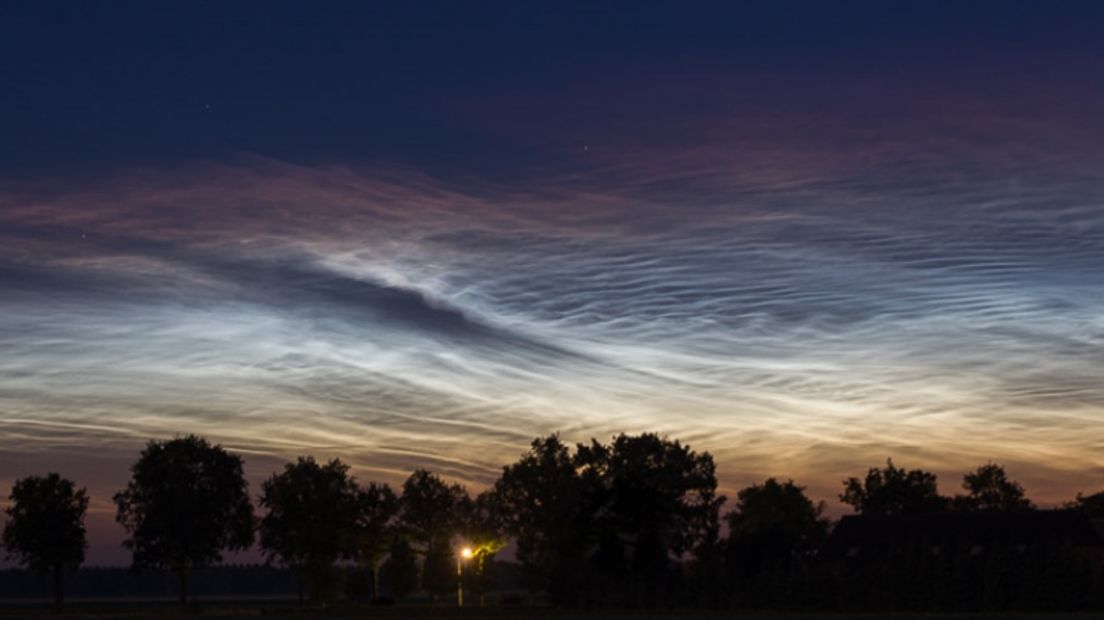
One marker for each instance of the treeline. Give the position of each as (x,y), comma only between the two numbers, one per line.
(636,522)
(108,582)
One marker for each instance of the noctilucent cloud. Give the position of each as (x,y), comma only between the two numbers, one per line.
(802,241)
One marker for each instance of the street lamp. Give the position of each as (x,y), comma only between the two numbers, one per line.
(465,554)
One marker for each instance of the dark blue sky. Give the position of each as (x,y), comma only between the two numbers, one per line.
(87,85)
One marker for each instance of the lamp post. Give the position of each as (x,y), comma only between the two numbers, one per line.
(465,554)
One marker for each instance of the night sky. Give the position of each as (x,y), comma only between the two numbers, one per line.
(802,236)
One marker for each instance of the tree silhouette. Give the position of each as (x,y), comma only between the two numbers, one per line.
(660,500)
(378,508)
(431,514)
(45,529)
(439,576)
(483,532)
(774,530)
(480,576)
(187,501)
(313,519)
(892,491)
(775,522)
(429,508)
(988,488)
(1091,505)
(540,501)
(401,569)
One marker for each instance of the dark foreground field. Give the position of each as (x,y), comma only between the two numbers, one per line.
(282,611)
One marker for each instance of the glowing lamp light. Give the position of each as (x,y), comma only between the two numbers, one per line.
(466,552)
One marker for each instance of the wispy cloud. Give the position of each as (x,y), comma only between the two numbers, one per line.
(798,300)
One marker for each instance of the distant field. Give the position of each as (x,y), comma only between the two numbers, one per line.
(281,611)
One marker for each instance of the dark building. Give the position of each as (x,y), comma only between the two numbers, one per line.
(1032,559)
(864,539)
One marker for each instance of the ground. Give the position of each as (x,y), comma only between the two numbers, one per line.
(281,611)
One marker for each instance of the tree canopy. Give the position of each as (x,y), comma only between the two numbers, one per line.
(374,528)
(655,487)
(186,503)
(313,520)
(429,508)
(620,511)
(1092,505)
(45,528)
(482,531)
(892,491)
(431,514)
(541,503)
(776,520)
(989,488)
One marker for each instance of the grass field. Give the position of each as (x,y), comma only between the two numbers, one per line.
(283,611)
